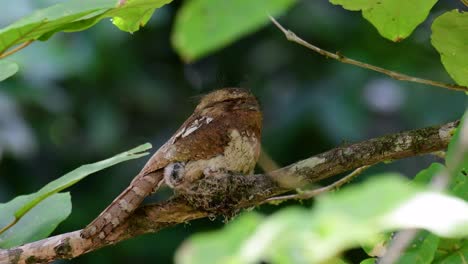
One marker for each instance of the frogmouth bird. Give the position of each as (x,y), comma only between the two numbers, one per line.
(221,136)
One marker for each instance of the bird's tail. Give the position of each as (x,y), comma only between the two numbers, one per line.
(123,206)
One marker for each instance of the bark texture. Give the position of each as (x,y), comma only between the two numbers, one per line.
(227,193)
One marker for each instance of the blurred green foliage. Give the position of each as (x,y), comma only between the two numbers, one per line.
(84,96)
(352,217)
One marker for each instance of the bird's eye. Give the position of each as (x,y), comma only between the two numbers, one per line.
(175,174)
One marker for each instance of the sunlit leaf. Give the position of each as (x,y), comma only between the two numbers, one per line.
(394,19)
(76,15)
(49,19)
(134,14)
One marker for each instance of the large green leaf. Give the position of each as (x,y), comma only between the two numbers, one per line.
(354,216)
(216,248)
(422,250)
(394,19)
(75,15)
(203,26)
(425,176)
(450,38)
(49,19)
(7,69)
(39,222)
(13,211)
(134,14)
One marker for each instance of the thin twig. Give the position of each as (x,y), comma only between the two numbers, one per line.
(291,36)
(5,228)
(16,49)
(304,195)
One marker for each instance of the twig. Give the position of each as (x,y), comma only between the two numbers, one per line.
(12,223)
(312,193)
(291,36)
(247,191)
(15,49)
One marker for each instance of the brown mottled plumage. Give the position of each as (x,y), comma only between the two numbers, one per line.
(223,134)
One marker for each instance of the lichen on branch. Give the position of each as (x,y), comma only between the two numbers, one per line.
(218,195)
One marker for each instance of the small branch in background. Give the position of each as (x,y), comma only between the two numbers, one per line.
(291,36)
(15,49)
(304,195)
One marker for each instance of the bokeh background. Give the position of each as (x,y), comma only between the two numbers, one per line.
(82,97)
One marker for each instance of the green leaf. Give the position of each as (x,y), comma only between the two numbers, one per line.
(421,251)
(134,14)
(218,247)
(457,152)
(203,26)
(457,159)
(425,176)
(27,202)
(49,19)
(459,186)
(7,69)
(369,261)
(450,38)
(38,223)
(456,253)
(353,216)
(76,15)
(394,19)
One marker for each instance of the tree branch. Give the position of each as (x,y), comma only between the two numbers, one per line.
(237,192)
(291,36)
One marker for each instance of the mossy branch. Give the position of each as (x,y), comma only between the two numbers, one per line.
(224,194)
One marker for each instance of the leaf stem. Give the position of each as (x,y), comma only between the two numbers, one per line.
(16,49)
(12,223)
(312,193)
(291,36)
